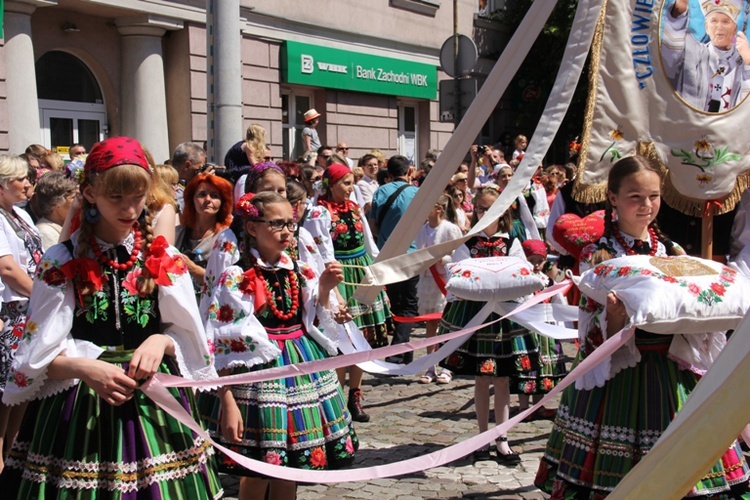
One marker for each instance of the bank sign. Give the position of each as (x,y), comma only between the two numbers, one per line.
(319,66)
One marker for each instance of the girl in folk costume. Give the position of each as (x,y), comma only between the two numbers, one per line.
(355,248)
(498,351)
(439,228)
(615,414)
(261,317)
(109,308)
(548,350)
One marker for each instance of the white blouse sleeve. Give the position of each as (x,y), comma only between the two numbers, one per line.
(327,334)
(235,335)
(318,222)
(47,334)
(224,253)
(181,321)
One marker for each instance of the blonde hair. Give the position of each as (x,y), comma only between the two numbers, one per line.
(11,168)
(255,141)
(53,160)
(161,192)
(120,180)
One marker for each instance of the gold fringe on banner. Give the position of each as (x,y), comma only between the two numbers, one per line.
(591,193)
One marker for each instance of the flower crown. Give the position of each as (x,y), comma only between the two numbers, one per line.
(245,208)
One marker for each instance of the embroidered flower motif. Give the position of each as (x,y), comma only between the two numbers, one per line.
(237,346)
(19,378)
(32,326)
(526,363)
(547,384)
(358,226)
(53,276)
(718,289)
(307,272)
(466,274)
(131,281)
(211,347)
(694,289)
(272,458)
(18,330)
(349,445)
(318,457)
(225,314)
(341,228)
(524,271)
(488,366)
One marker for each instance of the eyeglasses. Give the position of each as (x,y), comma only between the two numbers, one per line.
(326,156)
(342,149)
(277,225)
(268,158)
(480,210)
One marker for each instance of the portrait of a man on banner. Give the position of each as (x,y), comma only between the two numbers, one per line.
(706,57)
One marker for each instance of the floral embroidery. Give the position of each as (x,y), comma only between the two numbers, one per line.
(228,346)
(709,296)
(19,378)
(307,272)
(272,458)
(488,366)
(226,314)
(318,457)
(616,135)
(53,275)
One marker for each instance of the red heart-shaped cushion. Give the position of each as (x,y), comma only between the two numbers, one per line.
(574,233)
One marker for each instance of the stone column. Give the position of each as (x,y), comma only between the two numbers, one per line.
(20,75)
(224,70)
(144,99)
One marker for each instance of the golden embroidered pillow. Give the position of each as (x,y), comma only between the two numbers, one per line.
(672,294)
(492,279)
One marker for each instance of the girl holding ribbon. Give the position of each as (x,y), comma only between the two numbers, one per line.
(109,308)
(262,315)
(355,249)
(614,415)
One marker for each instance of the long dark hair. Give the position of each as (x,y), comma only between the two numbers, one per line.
(504,222)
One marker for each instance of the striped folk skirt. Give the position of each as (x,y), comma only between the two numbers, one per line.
(599,435)
(75,445)
(375,320)
(502,349)
(299,422)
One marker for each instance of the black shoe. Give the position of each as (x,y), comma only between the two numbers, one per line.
(397,359)
(482,455)
(509,459)
(355,406)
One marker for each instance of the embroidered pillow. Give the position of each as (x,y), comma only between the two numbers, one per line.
(672,294)
(574,233)
(492,279)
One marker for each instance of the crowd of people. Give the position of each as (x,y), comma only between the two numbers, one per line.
(115,268)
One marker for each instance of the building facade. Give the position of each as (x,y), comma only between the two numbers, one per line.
(80,70)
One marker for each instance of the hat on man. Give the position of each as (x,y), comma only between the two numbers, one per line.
(732,8)
(311,114)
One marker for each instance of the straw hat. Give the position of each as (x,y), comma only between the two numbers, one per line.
(311,114)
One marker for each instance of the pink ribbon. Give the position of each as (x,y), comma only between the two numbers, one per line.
(159,394)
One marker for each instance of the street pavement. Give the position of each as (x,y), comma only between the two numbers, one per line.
(409,419)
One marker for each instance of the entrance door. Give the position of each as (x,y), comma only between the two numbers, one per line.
(63,126)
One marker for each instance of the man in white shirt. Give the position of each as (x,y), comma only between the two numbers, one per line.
(343,149)
(368,184)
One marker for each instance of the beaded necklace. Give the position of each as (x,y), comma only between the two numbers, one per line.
(629,250)
(294,290)
(113,263)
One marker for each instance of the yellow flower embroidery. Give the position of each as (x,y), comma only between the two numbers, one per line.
(702,144)
(617,134)
(32,327)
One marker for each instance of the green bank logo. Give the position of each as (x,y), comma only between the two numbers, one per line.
(341,69)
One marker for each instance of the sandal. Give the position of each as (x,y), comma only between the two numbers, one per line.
(511,458)
(543,414)
(427,378)
(445,377)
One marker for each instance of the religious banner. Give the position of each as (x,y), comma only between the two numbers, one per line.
(669,80)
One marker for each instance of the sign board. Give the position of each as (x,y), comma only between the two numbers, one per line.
(458,64)
(318,66)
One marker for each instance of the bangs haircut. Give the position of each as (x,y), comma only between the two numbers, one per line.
(123,179)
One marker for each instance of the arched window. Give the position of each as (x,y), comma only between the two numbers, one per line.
(63,77)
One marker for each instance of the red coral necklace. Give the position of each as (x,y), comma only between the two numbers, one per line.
(629,250)
(294,290)
(113,263)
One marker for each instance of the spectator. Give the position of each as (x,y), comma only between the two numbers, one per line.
(309,134)
(51,201)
